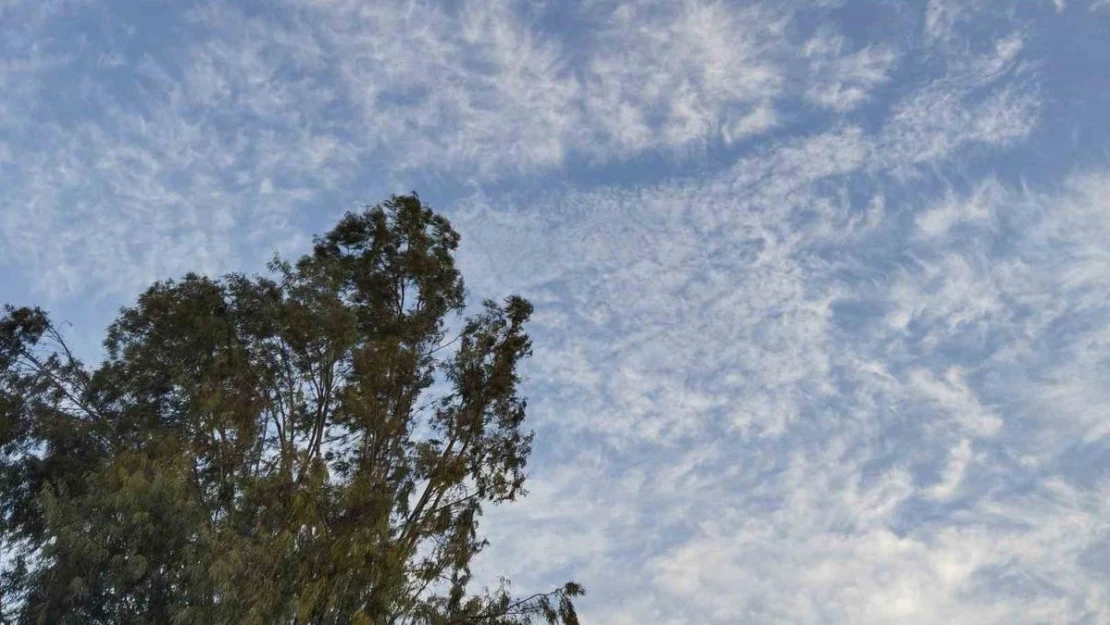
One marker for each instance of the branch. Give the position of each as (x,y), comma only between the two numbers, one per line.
(60,385)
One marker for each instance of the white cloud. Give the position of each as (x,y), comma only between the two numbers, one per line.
(943,118)
(950,480)
(255,116)
(673,74)
(669,275)
(1064,275)
(952,395)
(475,87)
(956,211)
(143,190)
(1007,562)
(844,81)
(864,482)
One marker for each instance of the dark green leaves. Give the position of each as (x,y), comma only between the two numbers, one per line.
(268,450)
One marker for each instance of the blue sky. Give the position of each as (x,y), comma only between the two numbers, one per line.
(822,287)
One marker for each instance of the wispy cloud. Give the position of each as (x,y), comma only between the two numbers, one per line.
(842,81)
(275,109)
(856,357)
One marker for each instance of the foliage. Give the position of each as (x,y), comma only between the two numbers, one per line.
(300,448)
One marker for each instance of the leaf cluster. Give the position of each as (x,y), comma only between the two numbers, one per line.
(305,448)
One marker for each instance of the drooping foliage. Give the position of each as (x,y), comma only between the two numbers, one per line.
(308,447)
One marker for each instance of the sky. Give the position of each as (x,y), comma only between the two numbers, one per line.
(822,287)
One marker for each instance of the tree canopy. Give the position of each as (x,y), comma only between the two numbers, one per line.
(308,446)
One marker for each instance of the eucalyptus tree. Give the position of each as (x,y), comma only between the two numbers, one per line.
(311,446)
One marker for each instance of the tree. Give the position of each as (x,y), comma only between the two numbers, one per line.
(303,448)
